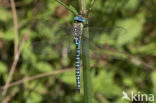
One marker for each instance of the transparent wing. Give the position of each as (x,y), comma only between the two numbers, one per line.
(104,41)
(53,44)
(105,35)
(56,40)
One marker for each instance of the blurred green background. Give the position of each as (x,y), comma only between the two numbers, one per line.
(123,62)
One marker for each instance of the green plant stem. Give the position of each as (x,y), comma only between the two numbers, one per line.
(67,7)
(86,71)
(85,59)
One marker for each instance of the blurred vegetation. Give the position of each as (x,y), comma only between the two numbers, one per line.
(125,62)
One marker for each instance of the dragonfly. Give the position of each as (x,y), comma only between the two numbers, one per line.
(77,33)
(66,36)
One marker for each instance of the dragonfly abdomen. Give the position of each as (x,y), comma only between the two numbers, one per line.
(77,63)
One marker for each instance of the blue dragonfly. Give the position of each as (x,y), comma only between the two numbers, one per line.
(61,39)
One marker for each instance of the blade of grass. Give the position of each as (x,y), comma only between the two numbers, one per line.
(67,7)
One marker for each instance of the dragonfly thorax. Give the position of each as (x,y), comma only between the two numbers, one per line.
(77,29)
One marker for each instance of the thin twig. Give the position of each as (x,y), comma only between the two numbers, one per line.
(130,56)
(16,54)
(15,20)
(82,7)
(9,97)
(42,75)
(101,98)
(136,58)
(92,2)
(90,7)
(67,7)
(13,67)
(141,61)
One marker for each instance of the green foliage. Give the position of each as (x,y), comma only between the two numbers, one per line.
(3,68)
(153,77)
(8,35)
(131,4)
(133,28)
(33,97)
(69,77)
(43,67)
(107,85)
(5,14)
(47,49)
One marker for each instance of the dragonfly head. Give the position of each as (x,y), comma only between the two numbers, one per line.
(79,18)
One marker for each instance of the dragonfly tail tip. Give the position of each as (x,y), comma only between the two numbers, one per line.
(78,90)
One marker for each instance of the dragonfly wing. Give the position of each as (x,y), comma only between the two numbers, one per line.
(105,35)
(54,30)
(51,41)
(103,39)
